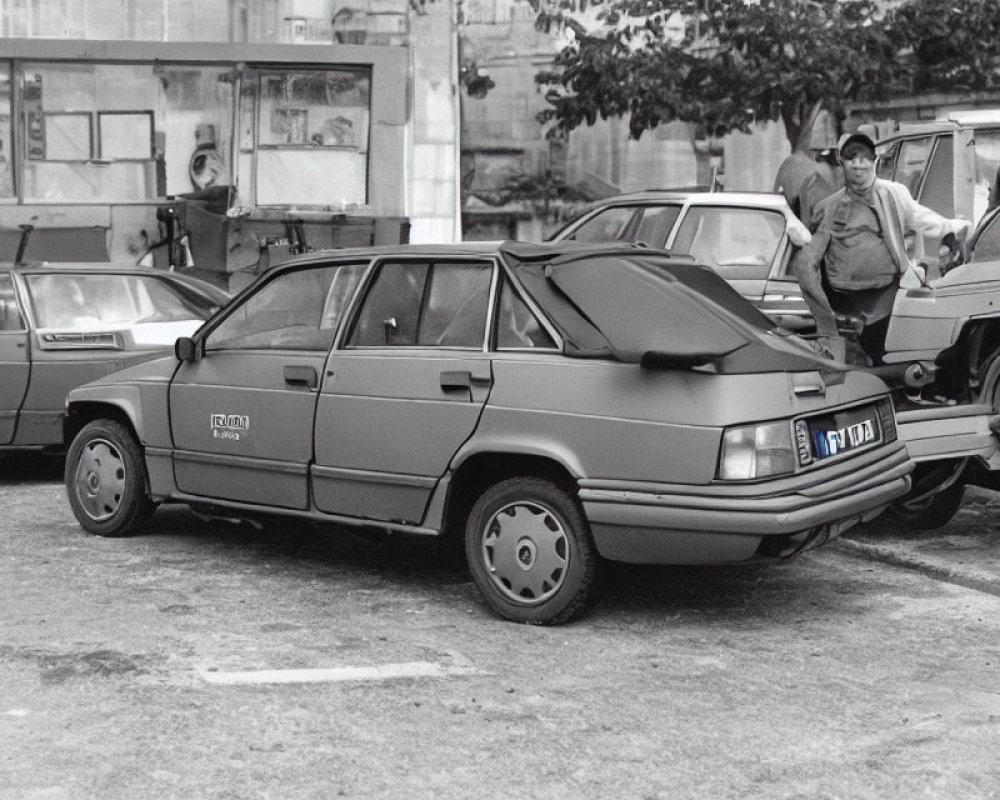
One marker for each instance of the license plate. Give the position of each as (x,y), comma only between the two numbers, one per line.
(844,431)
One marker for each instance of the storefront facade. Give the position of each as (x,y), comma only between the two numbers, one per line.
(103,133)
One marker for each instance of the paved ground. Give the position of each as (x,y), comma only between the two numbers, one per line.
(965,552)
(866,670)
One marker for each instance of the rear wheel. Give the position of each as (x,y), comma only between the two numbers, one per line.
(989,390)
(106,479)
(936,496)
(531,553)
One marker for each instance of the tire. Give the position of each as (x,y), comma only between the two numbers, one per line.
(106,479)
(924,509)
(989,391)
(531,553)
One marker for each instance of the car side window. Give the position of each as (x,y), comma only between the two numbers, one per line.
(517,326)
(607,225)
(885,166)
(987,192)
(938,190)
(656,224)
(421,304)
(738,243)
(298,310)
(912,162)
(988,242)
(10,314)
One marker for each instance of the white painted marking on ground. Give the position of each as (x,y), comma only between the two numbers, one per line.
(16,712)
(380,672)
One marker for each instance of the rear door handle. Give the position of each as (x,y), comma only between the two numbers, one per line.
(463,379)
(301,376)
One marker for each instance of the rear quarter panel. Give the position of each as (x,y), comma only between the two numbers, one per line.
(619,421)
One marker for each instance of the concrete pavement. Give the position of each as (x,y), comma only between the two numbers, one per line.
(965,552)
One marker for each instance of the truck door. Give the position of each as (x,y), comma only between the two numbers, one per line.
(14,360)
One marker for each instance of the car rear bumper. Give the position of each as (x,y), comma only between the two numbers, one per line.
(934,433)
(725,523)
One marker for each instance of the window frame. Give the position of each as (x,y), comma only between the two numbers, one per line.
(364,293)
(241,301)
(506,278)
(766,270)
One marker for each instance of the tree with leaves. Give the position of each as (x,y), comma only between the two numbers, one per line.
(739,62)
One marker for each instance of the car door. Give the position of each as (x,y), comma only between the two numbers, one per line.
(740,243)
(14,359)
(241,415)
(405,388)
(782,300)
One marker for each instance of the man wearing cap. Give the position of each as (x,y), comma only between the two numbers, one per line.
(857,257)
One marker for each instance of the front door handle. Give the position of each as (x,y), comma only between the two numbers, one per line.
(456,379)
(301,376)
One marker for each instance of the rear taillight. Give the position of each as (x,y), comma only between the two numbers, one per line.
(757,451)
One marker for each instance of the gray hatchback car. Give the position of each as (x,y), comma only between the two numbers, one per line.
(556,406)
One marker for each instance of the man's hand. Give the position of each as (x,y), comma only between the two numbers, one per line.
(954,251)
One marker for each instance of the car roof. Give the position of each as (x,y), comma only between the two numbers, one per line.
(508,249)
(760,199)
(978,118)
(79,266)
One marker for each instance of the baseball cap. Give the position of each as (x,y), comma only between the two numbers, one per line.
(855,138)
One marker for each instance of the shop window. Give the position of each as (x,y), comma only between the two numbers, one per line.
(65,136)
(308,131)
(120,133)
(125,134)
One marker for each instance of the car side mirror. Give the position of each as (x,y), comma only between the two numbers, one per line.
(186,349)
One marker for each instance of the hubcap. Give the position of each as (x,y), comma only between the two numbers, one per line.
(526,552)
(100,479)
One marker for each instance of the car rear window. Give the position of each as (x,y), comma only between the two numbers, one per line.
(715,288)
(81,301)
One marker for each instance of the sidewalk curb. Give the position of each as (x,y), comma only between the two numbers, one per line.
(965,577)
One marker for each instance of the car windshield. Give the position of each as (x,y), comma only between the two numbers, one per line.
(78,301)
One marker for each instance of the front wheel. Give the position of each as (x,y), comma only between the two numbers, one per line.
(106,479)
(530,552)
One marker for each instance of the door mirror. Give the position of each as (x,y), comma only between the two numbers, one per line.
(186,349)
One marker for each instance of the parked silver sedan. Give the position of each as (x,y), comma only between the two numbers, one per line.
(554,406)
(63,325)
(747,237)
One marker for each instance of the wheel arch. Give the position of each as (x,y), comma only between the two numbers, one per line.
(480,470)
(80,412)
(964,365)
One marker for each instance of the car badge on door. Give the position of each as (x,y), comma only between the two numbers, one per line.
(229,426)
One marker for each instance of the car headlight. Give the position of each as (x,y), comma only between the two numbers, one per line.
(757,451)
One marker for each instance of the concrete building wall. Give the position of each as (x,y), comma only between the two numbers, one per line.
(432,184)
(752,160)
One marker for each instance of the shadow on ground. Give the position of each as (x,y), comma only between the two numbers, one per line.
(29,466)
